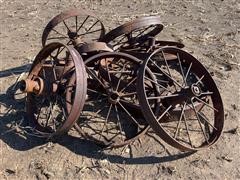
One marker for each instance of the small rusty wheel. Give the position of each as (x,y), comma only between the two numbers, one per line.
(111,115)
(73,27)
(191,114)
(133,33)
(48,86)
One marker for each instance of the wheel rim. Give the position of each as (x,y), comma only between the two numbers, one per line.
(108,97)
(185,86)
(47,108)
(133,33)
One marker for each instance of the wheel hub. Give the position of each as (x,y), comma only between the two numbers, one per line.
(113,97)
(196,90)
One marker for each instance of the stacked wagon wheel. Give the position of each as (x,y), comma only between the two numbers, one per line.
(113,87)
(49,85)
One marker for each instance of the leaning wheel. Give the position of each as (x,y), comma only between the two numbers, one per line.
(112,116)
(190,115)
(48,85)
(73,26)
(133,33)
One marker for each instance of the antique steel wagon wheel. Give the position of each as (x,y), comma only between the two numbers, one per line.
(133,33)
(48,85)
(73,27)
(110,116)
(191,116)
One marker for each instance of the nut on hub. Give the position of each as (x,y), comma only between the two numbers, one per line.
(32,86)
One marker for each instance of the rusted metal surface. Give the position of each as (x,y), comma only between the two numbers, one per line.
(185,84)
(109,98)
(94,47)
(134,33)
(113,87)
(55,91)
(72,28)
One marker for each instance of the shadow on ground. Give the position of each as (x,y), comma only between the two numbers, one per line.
(13,136)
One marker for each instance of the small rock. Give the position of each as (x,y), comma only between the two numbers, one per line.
(171,170)
(234,106)
(104,161)
(10,171)
(47,173)
(127,150)
(107,171)
(228,159)
(212,73)
(233,131)
(226,67)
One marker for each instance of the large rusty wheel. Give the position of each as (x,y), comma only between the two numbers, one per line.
(134,33)
(48,85)
(191,115)
(73,27)
(112,116)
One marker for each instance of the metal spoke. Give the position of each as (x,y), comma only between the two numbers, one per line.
(90,32)
(95,77)
(116,72)
(119,122)
(207,121)
(143,31)
(60,37)
(157,84)
(163,97)
(109,77)
(179,121)
(168,69)
(66,26)
(100,110)
(180,64)
(128,84)
(186,76)
(205,103)
(119,80)
(69,42)
(60,33)
(164,113)
(134,120)
(106,120)
(185,121)
(92,26)
(91,90)
(53,69)
(199,121)
(128,94)
(199,80)
(96,100)
(166,74)
(76,21)
(59,51)
(82,23)
(206,93)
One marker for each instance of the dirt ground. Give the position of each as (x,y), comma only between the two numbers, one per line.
(210,31)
